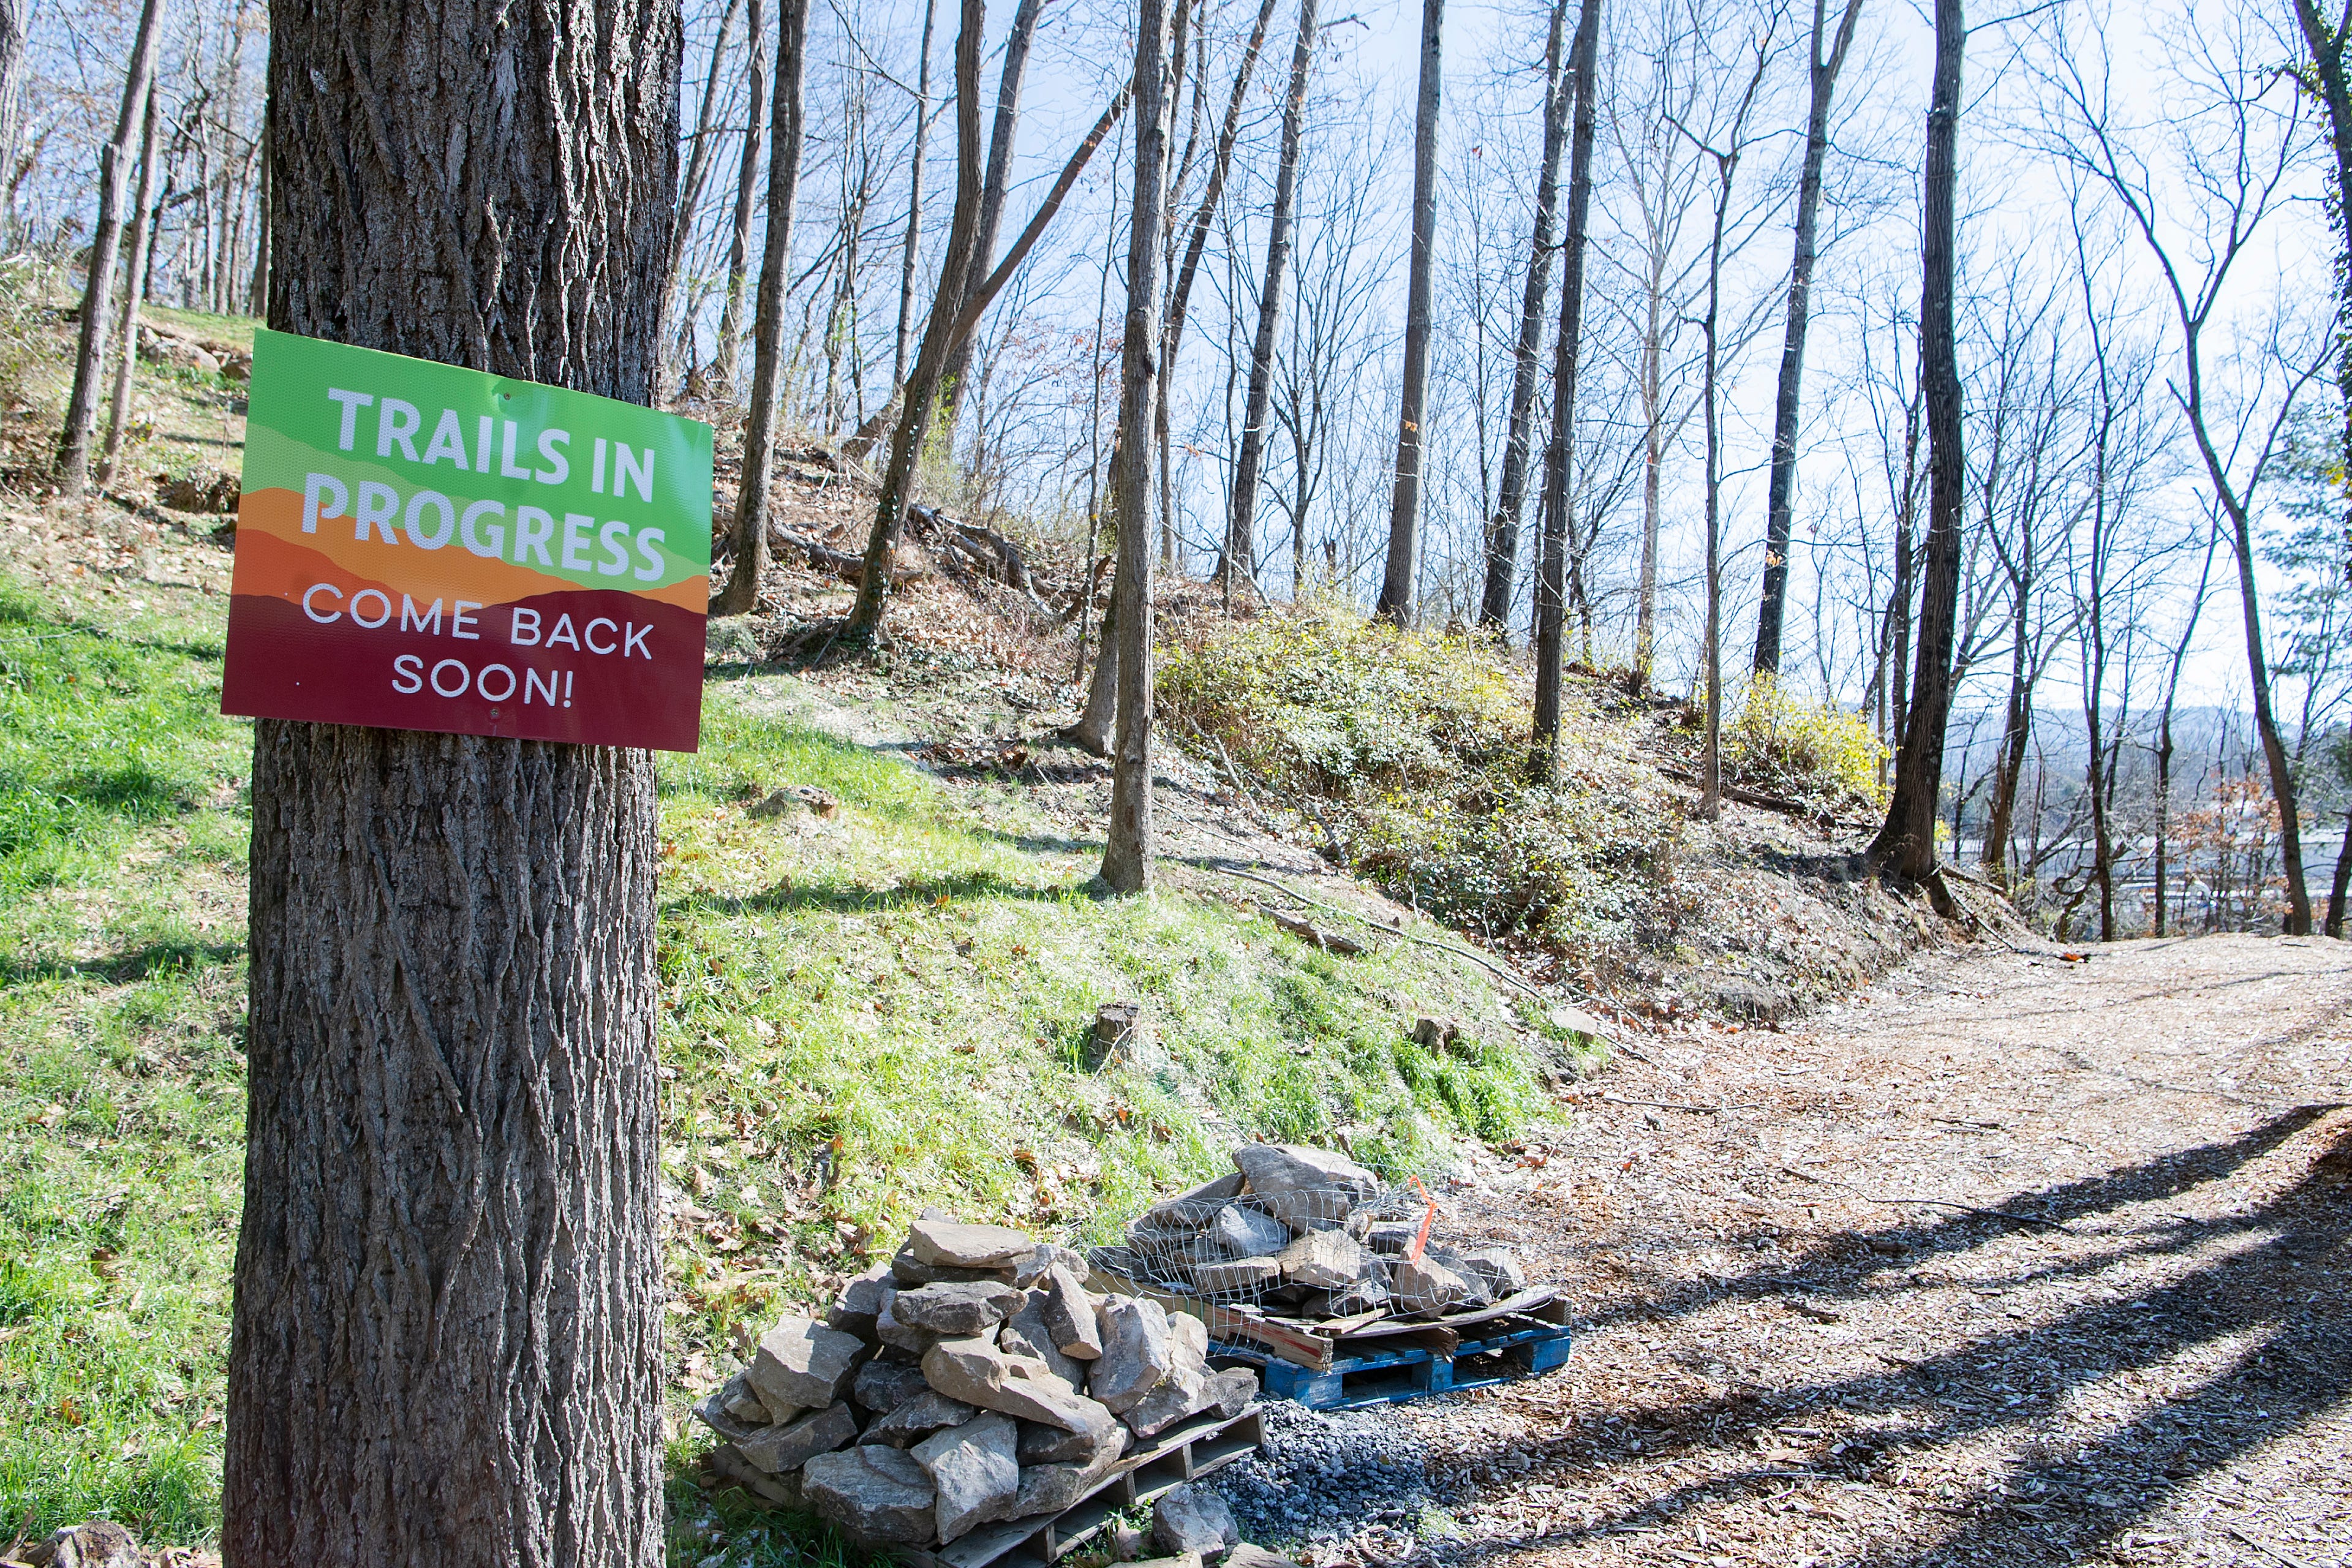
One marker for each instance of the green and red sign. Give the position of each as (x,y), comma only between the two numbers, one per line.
(420,547)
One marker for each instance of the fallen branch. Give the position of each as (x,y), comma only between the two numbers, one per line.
(1490,966)
(1328,941)
(1758,798)
(1930,1202)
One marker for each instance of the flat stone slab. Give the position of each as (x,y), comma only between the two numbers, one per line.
(800,1364)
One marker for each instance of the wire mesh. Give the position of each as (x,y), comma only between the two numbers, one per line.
(1232,1251)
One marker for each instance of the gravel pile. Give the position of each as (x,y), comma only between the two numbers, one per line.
(1329,1475)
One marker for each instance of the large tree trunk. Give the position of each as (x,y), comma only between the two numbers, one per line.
(11,85)
(134,278)
(756,483)
(1551,562)
(1127,850)
(2342,883)
(1503,531)
(1395,602)
(446,1340)
(747,185)
(1907,842)
(90,354)
(992,186)
(1779,506)
(1240,557)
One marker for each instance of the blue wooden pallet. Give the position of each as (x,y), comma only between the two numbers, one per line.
(1415,1366)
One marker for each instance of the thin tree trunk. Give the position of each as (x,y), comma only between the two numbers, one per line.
(920,394)
(2342,883)
(1907,841)
(11,86)
(2017,726)
(908,256)
(698,170)
(1552,560)
(90,353)
(1653,457)
(757,480)
(2327,74)
(1240,555)
(258,292)
(1779,507)
(1395,602)
(992,188)
(1091,733)
(747,183)
(445,1349)
(1503,531)
(1128,848)
(142,235)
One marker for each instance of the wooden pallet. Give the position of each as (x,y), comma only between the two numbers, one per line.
(1419,1365)
(1183,1453)
(1318,1345)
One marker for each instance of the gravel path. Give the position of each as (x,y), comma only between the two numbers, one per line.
(2008,1260)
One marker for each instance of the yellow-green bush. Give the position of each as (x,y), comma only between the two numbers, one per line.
(1802,746)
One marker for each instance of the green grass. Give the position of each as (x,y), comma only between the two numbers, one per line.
(860,1016)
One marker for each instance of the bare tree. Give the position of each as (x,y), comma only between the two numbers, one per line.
(2237,153)
(1551,563)
(445,1348)
(1503,531)
(113,169)
(1395,602)
(1128,847)
(698,161)
(12,84)
(730,355)
(1240,556)
(992,186)
(1907,841)
(2326,77)
(756,479)
(1779,507)
(134,281)
(909,252)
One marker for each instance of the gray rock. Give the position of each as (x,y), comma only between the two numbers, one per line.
(909,1271)
(1194,1518)
(1137,1352)
(897,1335)
(1393,1237)
(975,1470)
(1031,1271)
(1195,1208)
(1242,1277)
(712,1412)
(1050,1489)
(1241,1232)
(1230,1392)
(1324,1260)
(800,1364)
(1069,1314)
(1183,1393)
(856,1305)
(883,1386)
(955,1310)
(1477,1293)
(1305,1189)
(1363,1296)
(980,1374)
(1190,1338)
(1053,1446)
(1182,1560)
(928,1412)
(775,1449)
(1427,1286)
(742,1402)
(783,1491)
(878,1497)
(944,1244)
(1248,1556)
(1497,1268)
(1025,1334)
(1127,1543)
(101,1544)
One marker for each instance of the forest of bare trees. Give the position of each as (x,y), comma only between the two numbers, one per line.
(1987,376)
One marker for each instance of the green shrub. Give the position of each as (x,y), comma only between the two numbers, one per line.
(1803,746)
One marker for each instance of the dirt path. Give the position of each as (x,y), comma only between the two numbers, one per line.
(2007,1261)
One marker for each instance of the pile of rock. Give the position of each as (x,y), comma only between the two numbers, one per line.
(972,1379)
(1312,1235)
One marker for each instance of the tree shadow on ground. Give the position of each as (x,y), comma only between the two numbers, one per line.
(2275,1292)
(832,897)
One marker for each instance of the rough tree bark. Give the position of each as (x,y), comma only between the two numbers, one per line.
(2326,75)
(1906,843)
(447,1337)
(992,186)
(909,250)
(135,279)
(756,481)
(1240,556)
(1780,491)
(2342,883)
(106,239)
(1395,602)
(1502,529)
(12,83)
(730,354)
(1551,563)
(1126,849)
